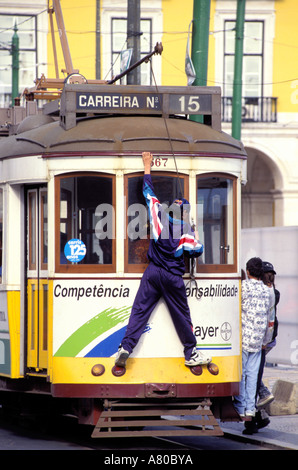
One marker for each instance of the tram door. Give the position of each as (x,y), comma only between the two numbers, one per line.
(37,278)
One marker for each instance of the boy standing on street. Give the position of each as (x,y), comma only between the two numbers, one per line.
(261,418)
(255,311)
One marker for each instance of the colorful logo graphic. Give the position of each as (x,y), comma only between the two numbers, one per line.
(98,337)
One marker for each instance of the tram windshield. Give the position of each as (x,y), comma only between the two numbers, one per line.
(215,219)
(86,229)
(86,212)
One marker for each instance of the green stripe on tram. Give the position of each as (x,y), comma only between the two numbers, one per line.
(93,328)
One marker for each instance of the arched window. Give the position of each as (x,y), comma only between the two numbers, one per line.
(167,187)
(217,222)
(85,211)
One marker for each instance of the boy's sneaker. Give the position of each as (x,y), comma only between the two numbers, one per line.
(197,359)
(250,413)
(262,419)
(250,427)
(265,400)
(121,357)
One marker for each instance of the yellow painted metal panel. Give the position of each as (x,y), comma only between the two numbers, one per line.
(50,329)
(32,323)
(43,325)
(150,370)
(14,321)
(37,324)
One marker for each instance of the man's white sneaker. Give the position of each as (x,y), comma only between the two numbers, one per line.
(197,359)
(121,357)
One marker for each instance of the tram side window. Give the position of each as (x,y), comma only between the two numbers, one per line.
(1,232)
(44,229)
(86,213)
(167,188)
(216,221)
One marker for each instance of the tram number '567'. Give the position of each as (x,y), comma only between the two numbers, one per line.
(159,161)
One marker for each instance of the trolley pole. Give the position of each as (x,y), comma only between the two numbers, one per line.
(200,44)
(237,84)
(97,42)
(15,65)
(63,37)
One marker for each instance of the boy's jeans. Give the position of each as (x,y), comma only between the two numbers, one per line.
(246,399)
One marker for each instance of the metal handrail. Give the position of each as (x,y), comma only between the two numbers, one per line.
(254,109)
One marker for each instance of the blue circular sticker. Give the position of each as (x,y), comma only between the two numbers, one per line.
(75,250)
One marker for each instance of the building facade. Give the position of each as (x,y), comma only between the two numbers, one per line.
(96,33)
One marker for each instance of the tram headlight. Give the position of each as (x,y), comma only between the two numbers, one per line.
(97,370)
(213,368)
(118,371)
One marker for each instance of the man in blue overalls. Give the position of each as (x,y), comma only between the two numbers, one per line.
(172,236)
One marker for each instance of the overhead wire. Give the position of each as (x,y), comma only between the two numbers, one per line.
(191,260)
(223,82)
(168,133)
(220,83)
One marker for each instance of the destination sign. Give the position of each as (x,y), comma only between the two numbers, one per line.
(119,101)
(144,102)
(137,100)
(189,104)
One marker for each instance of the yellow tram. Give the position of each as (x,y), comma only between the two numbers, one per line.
(74,249)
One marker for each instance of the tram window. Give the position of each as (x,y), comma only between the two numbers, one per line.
(44,229)
(167,188)
(216,222)
(1,233)
(86,212)
(32,204)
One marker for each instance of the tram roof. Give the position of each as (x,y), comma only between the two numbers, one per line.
(103,135)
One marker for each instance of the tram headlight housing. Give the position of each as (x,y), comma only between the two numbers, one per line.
(97,370)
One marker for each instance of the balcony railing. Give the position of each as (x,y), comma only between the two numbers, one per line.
(254,109)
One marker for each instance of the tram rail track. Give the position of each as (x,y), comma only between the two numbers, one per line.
(78,436)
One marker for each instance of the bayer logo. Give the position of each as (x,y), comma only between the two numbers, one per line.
(226,331)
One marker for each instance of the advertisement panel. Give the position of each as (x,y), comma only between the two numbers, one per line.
(90,318)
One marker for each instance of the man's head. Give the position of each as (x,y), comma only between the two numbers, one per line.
(254,267)
(178,207)
(268,267)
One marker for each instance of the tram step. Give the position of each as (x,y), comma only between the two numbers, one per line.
(149,419)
